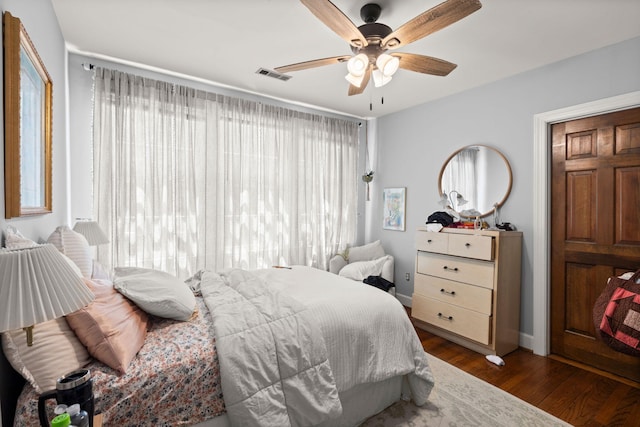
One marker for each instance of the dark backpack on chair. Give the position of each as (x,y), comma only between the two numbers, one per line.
(379,282)
(616,315)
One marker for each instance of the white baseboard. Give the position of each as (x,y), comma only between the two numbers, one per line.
(526,341)
(404,299)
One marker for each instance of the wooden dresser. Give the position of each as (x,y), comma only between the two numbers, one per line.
(467,287)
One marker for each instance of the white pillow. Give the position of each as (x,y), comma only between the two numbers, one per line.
(56,351)
(360,270)
(75,246)
(156,292)
(15,240)
(369,252)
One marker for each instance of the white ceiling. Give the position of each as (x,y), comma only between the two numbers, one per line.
(226,41)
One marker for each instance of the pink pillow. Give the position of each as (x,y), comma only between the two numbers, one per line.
(111,327)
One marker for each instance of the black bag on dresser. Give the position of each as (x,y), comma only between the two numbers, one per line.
(616,314)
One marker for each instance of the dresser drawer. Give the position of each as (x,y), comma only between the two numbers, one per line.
(471,246)
(461,294)
(468,323)
(429,241)
(465,270)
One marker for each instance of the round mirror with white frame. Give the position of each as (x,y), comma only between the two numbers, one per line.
(474,180)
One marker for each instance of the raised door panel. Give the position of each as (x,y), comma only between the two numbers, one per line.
(627,206)
(628,139)
(463,295)
(582,145)
(581,291)
(581,206)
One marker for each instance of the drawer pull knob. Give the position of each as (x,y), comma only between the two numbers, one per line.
(467,244)
(429,241)
(448,268)
(442,316)
(447,292)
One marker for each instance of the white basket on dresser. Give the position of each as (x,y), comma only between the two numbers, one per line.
(467,287)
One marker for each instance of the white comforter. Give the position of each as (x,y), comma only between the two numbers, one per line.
(332,334)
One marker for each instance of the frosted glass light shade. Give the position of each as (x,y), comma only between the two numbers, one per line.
(380,79)
(92,232)
(37,284)
(354,80)
(387,64)
(358,64)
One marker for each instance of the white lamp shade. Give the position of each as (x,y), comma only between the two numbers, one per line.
(387,64)
(92,232)
(358,64)
(37,284)
(460,200)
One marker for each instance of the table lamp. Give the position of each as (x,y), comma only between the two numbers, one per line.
(36,285)
(91,231)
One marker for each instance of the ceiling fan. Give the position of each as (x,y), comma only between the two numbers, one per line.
(370,41)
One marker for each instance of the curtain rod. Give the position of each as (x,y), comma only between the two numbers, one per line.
(87,67)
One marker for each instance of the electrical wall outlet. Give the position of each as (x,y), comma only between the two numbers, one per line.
(406,276)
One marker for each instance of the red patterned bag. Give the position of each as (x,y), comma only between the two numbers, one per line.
(616,314)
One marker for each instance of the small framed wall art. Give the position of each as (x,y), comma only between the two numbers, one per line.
(393,205)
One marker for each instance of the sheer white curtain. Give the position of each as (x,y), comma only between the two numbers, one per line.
(461,175)
(186,179)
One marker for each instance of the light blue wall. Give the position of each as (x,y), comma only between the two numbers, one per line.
(41,24)
(413,144)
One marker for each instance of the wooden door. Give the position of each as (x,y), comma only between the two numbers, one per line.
(595,229)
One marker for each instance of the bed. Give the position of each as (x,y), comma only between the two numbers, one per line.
(355,354)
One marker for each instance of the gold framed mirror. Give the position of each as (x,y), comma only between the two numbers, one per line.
(27,124)
(475,179)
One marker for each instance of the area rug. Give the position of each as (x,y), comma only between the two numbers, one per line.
(459,399)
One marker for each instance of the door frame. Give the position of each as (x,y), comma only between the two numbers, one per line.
(541,204)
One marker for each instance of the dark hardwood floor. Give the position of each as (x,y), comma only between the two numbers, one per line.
(573,394)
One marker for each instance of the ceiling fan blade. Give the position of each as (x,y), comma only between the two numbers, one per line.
(424,64)
(311,64)
(355,90)
(333,18)
(429,22)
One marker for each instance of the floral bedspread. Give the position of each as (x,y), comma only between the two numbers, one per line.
(173,381)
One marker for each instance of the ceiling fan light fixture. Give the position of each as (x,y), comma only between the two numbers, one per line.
(357,65)
(354,80)
(370,41)
(387,64)
(380,79)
